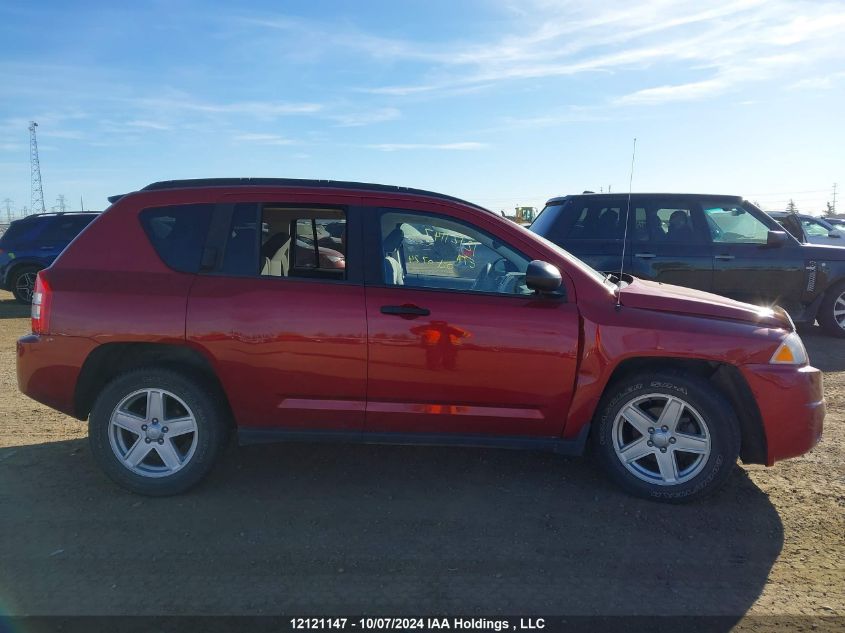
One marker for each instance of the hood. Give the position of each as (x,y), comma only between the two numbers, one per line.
(652,295)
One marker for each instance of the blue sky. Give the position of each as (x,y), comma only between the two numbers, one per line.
(500,102)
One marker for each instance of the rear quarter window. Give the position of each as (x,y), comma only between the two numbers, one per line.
(19,232)
(548,221)
(65,228)
(178,233)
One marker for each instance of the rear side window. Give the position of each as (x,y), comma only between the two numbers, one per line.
(303,242)
(65,228)
(20,231)
(594,221)
(661,223)
(178,233)
(546,223)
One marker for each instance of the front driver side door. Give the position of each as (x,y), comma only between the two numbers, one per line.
(456,342)
(745,267)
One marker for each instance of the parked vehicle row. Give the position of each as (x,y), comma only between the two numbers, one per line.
(719,244)
(169,322)
(31,244)
(809,228)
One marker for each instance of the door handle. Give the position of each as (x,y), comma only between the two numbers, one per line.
(645,255)
(406,310)
(725,257)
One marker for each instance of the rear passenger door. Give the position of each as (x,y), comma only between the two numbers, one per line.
(280,311)
(669,243)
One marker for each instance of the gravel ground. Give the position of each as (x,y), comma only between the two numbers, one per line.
(331,528)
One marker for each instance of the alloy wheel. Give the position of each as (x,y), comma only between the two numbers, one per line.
(661,439)
(25,285)
(153,433)
(839,310)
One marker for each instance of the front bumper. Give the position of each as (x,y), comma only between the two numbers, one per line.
(792,407)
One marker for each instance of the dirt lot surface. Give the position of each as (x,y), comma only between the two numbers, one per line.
(327,528)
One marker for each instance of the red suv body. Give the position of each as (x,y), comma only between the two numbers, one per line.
(181,313)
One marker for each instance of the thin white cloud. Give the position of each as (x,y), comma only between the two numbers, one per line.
(825,82)
(724,44)
(679,92)
(258,109)
(460,146)
(263,139)
(64,134)
(366,117)
(149,125)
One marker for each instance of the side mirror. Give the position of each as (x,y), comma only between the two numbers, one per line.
(834,234)
(542,277)
(776,238)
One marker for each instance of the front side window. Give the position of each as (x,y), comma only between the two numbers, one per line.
(178,233)
(734,225)
(427,251)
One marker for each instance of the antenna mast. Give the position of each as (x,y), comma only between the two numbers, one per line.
(625,234)
(36,191)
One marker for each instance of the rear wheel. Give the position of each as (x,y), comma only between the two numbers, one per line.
(668,437)
(156,432)
(23,283)
(832,311)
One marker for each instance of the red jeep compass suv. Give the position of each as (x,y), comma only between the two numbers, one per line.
(293,310)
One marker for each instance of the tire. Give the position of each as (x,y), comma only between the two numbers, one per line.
(832,323)
(135,445)
(699,449)
(23,283)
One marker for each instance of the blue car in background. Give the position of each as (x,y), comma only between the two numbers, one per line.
(32,243)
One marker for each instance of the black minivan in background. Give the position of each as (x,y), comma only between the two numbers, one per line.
(720,244)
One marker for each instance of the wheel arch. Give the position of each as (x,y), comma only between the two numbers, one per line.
(111,359)
(17,265)
(724,377)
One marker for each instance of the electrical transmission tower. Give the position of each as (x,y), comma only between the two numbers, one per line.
(36,190)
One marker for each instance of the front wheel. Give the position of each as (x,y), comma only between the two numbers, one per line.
(156,432)
(23,283)
(667,436)
(832,311)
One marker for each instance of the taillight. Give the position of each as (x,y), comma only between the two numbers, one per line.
(41,306)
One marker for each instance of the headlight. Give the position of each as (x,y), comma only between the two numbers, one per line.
(790,352)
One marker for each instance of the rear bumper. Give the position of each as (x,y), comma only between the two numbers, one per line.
(792,407)
(49,366)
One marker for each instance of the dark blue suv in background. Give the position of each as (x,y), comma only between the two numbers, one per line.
(32,243)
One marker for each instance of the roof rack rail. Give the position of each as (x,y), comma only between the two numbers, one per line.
(51,213)
(296,182)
